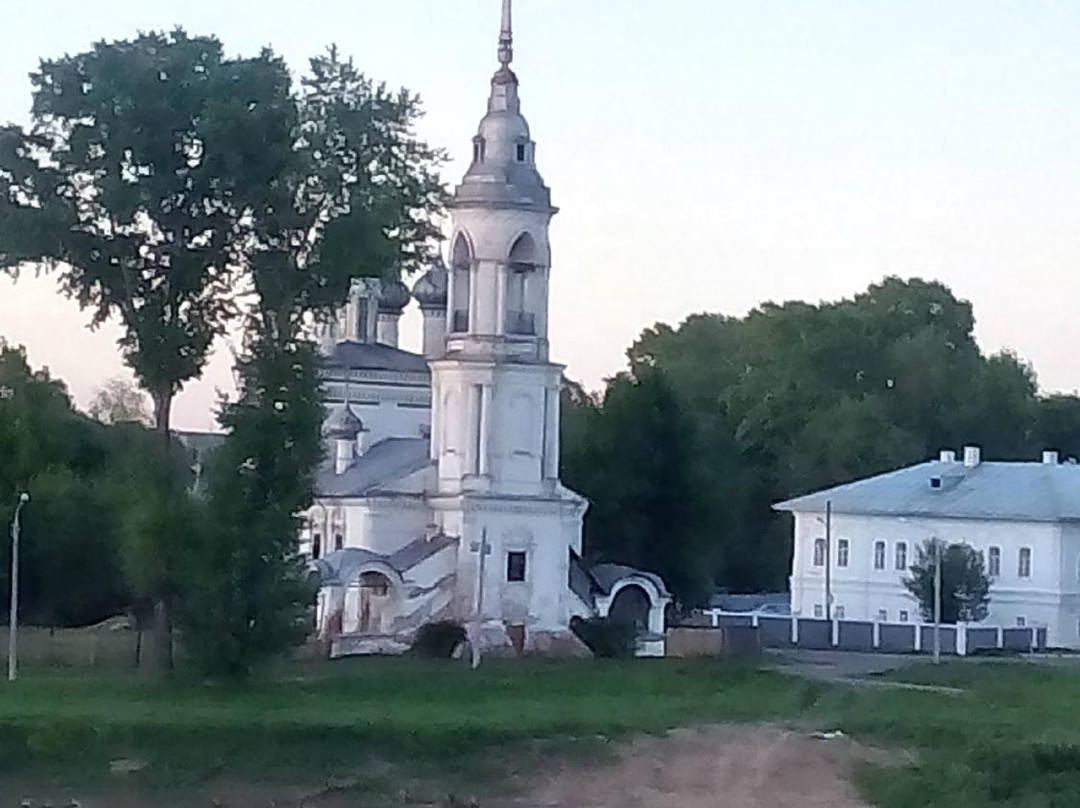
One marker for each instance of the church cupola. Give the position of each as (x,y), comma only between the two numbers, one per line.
(431,293)
(346,434)
(503,168)
(393,299)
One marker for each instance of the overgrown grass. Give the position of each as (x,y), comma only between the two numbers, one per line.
(1009,739)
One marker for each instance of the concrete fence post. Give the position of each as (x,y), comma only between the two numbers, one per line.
(1000,637)
(755,621)
(794,630)
(835,638)
(1034,637)
(918,638)
(877,635)
(961,639)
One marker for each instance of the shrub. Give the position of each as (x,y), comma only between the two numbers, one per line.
(438,640)
(607,638)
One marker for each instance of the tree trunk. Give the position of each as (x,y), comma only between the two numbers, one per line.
(158,663)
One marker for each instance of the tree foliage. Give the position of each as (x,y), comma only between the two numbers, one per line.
(965,586)
(347,191)
(119,401)
(793,398)
(72,569)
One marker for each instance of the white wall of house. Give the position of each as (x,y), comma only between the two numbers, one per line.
(1048,596)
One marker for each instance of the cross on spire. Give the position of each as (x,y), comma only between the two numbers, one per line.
(506,35)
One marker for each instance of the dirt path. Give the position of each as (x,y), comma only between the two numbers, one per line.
(729,767)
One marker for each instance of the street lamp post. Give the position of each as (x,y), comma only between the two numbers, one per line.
(13,615)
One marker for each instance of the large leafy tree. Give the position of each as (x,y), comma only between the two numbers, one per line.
(71,562)
(965,586)
(795,397)
(651,515)
(344,188)
(124,188)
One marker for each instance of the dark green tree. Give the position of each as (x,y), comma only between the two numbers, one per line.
(650,514)
(343,189)
(965,586)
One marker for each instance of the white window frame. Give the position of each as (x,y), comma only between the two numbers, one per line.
(879,555)
(904,616)
(819,611)
(843,553)
(838,613)
(1023,570)
(883,615)
(819,552)
(1021,622)
(993,562)
(900,559)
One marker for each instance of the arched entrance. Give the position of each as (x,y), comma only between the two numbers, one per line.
(631,606)
(375,604)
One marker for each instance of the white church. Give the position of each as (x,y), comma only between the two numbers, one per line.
(440,498)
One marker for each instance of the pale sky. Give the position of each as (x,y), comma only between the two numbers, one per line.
(707,155)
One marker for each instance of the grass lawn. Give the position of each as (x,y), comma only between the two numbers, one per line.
(1011,737)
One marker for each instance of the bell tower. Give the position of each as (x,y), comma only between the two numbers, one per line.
(495,394)
(495,411)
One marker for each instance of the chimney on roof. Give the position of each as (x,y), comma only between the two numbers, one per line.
(947,456)
(1050,458)
(972,456)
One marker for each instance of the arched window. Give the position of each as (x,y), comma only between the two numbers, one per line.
(819,552)
(479,150)
(901,555)
(316,545)
(522,266)
(522,151)
(339,541)
(461,281)
(879,555)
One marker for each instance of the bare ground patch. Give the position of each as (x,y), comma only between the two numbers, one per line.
(718,767)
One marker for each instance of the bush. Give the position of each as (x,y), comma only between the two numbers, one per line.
(606,638)
(438,640)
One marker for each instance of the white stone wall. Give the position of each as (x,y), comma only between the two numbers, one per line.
(861,591)
(391,405)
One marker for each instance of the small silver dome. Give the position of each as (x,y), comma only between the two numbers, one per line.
(393,298)
(431,290)
(342,423)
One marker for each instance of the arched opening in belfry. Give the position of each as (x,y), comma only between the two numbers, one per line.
(522,265)
(461,284)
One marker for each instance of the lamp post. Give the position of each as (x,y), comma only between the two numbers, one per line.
(13,614)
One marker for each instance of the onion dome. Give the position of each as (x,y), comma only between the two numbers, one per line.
(393,298)
(342,423)
(431,290)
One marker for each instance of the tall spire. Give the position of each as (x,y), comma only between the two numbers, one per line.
(506,35)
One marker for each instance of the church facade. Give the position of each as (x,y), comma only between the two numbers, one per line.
(440,498)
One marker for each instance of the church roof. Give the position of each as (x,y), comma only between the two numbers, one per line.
(350,355)
(342,567)
(1026,492)
(385,462)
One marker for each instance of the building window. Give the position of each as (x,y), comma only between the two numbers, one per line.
(515,567)
(901,555)
(842,553)
(838,613)
(1078,569)
(1024,567)
(1021,622)
(993,562)
(479,150)
(819,552)
(879,555)
(883,615)
(521,152)
(339,541)
(903,615)
(818,611)
(316,545)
